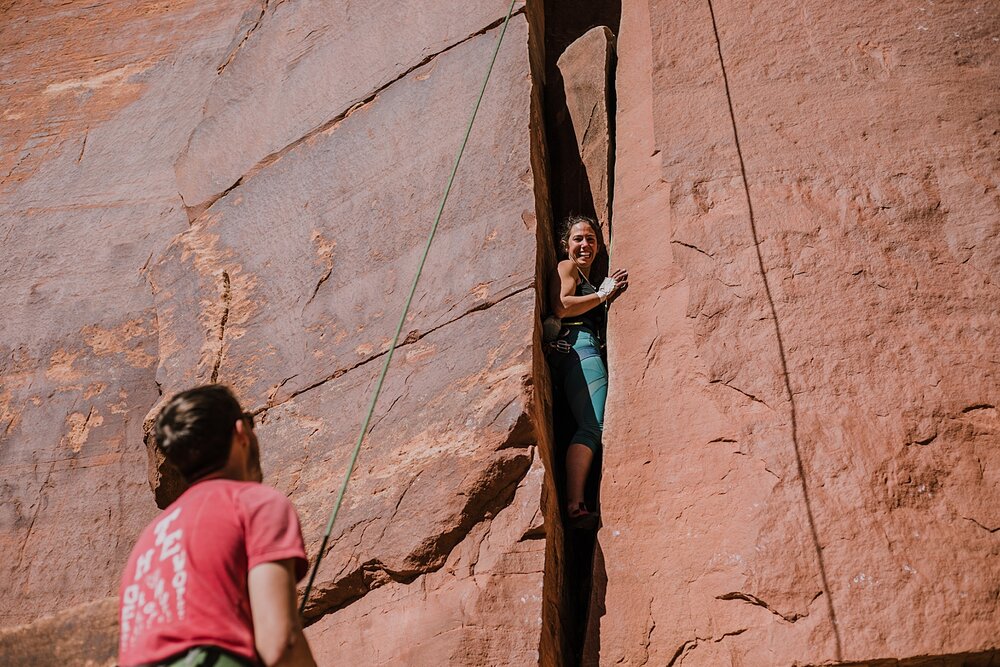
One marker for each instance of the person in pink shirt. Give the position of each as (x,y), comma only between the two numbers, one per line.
(211,581)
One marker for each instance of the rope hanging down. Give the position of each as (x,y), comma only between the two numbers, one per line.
(402,319)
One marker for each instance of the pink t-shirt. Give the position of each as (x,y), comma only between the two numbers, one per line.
(185,583)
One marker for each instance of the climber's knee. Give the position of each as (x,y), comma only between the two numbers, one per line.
(588,435)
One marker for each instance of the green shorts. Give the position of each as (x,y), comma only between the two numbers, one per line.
(205,656)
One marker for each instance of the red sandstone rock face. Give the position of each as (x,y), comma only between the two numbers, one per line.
(155,273)
(801,464)
(91,128)
(803,469)
(291,70)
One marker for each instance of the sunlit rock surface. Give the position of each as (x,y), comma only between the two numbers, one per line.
(245,201)
(801,459)
(802,463)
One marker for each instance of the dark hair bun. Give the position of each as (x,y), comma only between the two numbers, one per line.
(194,429)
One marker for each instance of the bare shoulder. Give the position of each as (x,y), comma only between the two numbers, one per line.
(566,269)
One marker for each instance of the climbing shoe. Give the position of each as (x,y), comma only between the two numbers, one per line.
(578,517)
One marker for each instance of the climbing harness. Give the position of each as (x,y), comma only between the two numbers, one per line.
(402,318)
(555,330)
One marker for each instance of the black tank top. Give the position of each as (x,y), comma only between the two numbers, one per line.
(593,318)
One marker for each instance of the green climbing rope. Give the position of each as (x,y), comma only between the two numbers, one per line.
(402,319)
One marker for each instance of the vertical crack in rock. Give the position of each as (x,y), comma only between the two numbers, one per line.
(553,647)
(322,279)
(251,30)
(144,273)
(817,546)
(78,431)
(83,145)
(577,70)
(227,298)
(392,404)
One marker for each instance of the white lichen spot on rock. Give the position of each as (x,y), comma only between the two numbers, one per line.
(110,78)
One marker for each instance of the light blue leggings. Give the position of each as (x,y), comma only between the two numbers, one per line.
(583,378)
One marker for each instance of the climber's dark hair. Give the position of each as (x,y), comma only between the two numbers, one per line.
(567,226)
(194,429)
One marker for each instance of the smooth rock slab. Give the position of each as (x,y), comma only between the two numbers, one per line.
(308,262)
(288,288)
(480,608)
(448,445)
(817,481)
(97,103)
(292,69)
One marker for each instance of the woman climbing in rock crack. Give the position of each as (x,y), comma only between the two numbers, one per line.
(576,354)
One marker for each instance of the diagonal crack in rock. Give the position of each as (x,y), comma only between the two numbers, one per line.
(250,31)
(411,338)
(199,209)
(493,492)
(757,602)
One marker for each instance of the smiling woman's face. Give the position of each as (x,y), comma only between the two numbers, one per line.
(581,246)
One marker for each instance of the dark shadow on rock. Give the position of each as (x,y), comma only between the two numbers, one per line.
(565,21)
(990,658)
(598,590)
